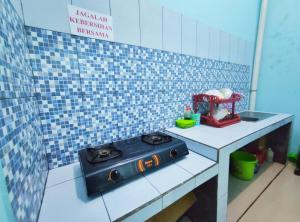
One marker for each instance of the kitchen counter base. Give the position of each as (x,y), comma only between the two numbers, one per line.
(218,143)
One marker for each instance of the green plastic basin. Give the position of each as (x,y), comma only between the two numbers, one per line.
(242,165)
(293,157)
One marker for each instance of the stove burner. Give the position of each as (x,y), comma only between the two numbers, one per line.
(102,153)
(156,138)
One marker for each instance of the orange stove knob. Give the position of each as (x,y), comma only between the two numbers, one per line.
(156,159)
(140,166)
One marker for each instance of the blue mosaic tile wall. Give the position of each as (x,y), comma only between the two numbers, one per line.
(92,92)
(22,154)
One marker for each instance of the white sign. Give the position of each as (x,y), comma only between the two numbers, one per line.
(90,24)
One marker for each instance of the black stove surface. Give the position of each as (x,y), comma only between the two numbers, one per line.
(128,149)
(105,166)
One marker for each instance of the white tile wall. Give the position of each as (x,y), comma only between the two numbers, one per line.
(202,40)
(214,43)
(171,31)
(52,15)
(145,23)
(151,24)
(126,16)
(249,52)
(224,46)
(241,50)
(101,6)
(189,36)
(233,49)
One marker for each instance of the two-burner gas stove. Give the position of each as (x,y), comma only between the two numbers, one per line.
(110,165)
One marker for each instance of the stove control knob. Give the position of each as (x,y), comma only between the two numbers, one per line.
(114,175)
(173,153)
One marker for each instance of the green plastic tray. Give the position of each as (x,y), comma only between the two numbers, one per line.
(185,123)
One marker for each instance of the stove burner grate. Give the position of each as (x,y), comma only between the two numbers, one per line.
(156,138)
(102,153)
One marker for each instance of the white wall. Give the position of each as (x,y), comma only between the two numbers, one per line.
(143,23)
(126,16)
(239,17)
(171,31)
(279,79)
(151,24)
(189,36)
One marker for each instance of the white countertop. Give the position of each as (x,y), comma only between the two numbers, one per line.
(65,196)
(220,137)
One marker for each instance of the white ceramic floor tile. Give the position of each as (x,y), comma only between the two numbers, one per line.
(279,202)
(68,202)
(240,204)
